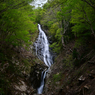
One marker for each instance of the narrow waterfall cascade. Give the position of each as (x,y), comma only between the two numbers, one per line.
(43,53)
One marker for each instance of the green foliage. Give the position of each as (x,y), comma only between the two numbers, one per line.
(57,77)
(68,60)
(1,91)
(17,29)
(38,14)
(56,47)
(49,16)
(54,29)
(16,24)
(75,53)
(55,37)
(79,14)
(83,19)
(46,6)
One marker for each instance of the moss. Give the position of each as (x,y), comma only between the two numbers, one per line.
(68,82)
(88,72)
(57,77)
(1,91)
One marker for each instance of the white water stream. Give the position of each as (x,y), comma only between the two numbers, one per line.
(42,51)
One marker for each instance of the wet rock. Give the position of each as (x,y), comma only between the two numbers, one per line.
(81,79)
(35,74)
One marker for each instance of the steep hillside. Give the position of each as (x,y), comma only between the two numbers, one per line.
(18,31)
(71,76)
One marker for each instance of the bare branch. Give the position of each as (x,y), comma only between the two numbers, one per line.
(14,7)
(89,3)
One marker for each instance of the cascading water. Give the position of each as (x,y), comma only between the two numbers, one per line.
(42,51)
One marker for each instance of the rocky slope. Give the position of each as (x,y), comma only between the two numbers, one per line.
(72,75)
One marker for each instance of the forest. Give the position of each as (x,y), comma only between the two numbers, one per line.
(70,27)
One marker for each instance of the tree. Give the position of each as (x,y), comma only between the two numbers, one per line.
(17,29)
(15,22)
(83,19)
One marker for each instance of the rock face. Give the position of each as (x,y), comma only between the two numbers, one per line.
(22,87)
(35,74)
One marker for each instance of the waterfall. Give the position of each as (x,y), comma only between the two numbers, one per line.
(43,53)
